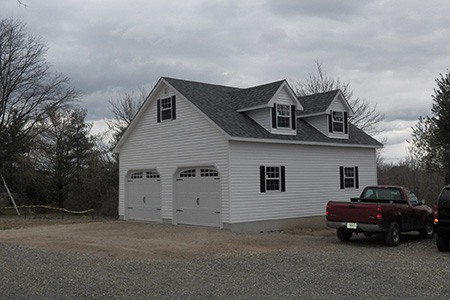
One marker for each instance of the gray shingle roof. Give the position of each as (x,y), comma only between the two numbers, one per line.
(317,103)
(220,104)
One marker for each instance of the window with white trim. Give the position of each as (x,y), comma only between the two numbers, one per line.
(166,109)
(338,121)
(283,116)
(349,177)
(272,178)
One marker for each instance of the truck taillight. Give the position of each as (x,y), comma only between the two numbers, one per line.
(326,211)
(379,216)
(436,214)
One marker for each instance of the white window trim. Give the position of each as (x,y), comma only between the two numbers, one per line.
(278,115)
(342,122)
(353,178)
(273,179)
(169,108)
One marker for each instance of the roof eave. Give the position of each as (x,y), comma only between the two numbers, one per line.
(309,143)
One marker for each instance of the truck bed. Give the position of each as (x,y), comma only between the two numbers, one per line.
(353,212)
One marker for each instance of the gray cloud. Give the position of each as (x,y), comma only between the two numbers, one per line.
(390,51)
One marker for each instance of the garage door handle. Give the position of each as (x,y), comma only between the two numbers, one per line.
(217,212)
(180,210)
(158,209)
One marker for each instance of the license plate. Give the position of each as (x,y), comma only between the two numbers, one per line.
(352,225)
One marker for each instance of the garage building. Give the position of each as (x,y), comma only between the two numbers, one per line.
(249,159)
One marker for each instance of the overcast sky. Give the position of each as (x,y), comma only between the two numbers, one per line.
(391,52)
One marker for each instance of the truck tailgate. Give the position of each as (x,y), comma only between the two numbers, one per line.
(352,212)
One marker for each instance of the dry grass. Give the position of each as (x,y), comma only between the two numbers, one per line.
(24,221)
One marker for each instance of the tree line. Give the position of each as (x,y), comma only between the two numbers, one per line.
(49,156)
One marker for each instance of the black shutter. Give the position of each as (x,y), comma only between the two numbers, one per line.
(356,178)
(159,111)
(274,116)
(341,172)
(283,179)
(262,178)
(294,119)
(345,122)
(174,110)
(330,122)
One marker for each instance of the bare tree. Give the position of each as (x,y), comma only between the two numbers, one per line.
(366,116)
(28,90)
(123,110)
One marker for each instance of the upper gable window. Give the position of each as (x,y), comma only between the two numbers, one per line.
(166,109)
(338,122)
(283,116)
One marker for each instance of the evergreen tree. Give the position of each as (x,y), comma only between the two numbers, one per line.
(431,135)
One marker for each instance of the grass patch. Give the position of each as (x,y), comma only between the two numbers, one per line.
(8,222)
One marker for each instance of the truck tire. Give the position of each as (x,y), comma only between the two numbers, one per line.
(428,231)
(442,243)
(392,236)
(343,235)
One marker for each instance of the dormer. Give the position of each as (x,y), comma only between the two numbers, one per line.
(327,112)
(273,106)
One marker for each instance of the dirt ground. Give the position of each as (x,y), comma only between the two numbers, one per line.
(148,241)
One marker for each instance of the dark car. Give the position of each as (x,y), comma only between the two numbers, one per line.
(442,220)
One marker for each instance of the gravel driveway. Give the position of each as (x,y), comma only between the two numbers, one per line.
(199,263)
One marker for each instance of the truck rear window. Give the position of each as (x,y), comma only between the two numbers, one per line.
(377,193)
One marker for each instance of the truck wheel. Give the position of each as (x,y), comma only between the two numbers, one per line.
(392,236)
(442,244)
(428,231)
(343,235)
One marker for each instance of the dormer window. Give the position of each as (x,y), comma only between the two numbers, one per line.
(337,122)
(283,116)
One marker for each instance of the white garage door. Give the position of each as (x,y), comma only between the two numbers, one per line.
(144,196)
(198,197)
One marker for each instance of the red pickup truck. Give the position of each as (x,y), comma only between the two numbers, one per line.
(386,210)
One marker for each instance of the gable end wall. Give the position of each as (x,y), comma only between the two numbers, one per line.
(188,141)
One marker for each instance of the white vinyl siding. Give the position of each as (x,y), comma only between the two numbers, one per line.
(282,97)
(188,141)
(319,122)
(261,116)
(311,179)
(337,105)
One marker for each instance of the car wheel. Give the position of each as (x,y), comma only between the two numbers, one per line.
(392,236)
(442,243)
(428,231)
(343,235)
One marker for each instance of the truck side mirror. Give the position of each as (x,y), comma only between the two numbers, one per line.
(422,202)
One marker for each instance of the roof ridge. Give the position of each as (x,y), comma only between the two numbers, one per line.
(321,93)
